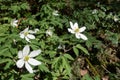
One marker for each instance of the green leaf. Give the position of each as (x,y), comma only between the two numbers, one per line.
(8,64)
(15,8)
(86,77)
(55,62)
(66,65)
(43,68)
(32,21)
(3,35)
(3,29)
(97,78)
(68,56)
(27,76)
(52,53)
(25,6)
(76,51)
(4,60)
(82,48)
(5,52)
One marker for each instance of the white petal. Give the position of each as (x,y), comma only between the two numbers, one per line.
(20,63)
(26,50)
(27,39)
(22,35)
(71,25)
(75,26)
(26,29)
(71,31)
(28,67)
(31,36)
(15,24)
(49,32)
(60,47)
(55,13)
(34,53)
(15,21)
(32,32)
(83,36)
(82,29)
(20,54)
(78,35)
(34,62)
(36,30)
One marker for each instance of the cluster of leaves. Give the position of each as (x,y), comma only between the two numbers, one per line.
(99,55)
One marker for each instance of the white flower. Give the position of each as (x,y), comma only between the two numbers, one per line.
(36,30)
(55,13)
(115,18)
(49,32)
(27,59)
(27,34)
(94,11)
(61,46)
(14,41)
(77,31)
(14,23)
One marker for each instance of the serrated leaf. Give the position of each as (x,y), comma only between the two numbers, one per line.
(15,8)
(97,78)
(4,60)
(66,65)
(86,77)
(8,64)
(76,51)
(4,51)
(68,56)
(52,53)
(27,76)
(82,48)
(25,6)
(55,62)
(43,68)
(6,54)
(2,34)
(88,44)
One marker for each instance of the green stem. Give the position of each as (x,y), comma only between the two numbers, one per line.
(94,70)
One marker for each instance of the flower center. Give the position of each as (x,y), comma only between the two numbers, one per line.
(77,30)
(26,58)
(25,33)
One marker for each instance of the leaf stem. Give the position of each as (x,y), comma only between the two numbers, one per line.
(94,70)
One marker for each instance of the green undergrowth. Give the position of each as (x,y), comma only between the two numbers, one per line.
(63,56)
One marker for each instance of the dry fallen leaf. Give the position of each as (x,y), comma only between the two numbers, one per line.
(83,72)
(105,78)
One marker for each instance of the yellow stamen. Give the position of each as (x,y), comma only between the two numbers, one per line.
(77,30)
(25,33)
(26,58)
